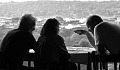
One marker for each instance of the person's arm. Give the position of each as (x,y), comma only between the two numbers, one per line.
(99,40)
(88,34)
(62,44)
(96,40)
(30,41)
(91,39)
(63,48)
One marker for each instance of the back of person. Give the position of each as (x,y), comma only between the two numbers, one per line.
(20,43)
(108,35)
(15,46)
(51,49)
(7,39)
(48,48)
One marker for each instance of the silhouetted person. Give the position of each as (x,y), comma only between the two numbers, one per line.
(51,49)
(17,42)
(107,37)
(92,21)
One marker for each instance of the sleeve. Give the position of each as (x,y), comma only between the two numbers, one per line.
(33,42)
(63,48)
(62,44)
(4,43)
(30,41)
(39,43)
(99,34)
(96,38)
(6,40)
(99,39)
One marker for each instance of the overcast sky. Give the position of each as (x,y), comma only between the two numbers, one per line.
(56,0)
(16,0)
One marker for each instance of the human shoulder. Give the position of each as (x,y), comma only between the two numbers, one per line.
(23,33)
(12,31)
(107,31)
(59,38)
(102,25)
(106,26)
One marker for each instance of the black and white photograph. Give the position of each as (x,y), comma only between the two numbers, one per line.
(59,34)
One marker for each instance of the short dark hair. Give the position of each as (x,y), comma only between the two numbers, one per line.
(50,27)
(26,22)
(93,20)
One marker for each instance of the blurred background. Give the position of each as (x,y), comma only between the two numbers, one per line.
(72,15)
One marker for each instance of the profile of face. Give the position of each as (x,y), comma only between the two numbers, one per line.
(90,29)
(33,28)
(58,28)
(92,21)
(27,23)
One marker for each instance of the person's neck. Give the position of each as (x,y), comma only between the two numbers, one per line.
(30,31)
(92,32)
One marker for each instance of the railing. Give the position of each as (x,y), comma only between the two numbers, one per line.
(29,58)
(79,57)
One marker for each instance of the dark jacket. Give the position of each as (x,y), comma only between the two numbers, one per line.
(16,45)
(52,49)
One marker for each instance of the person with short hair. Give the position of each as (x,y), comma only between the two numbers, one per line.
(92,21)
(16,44)
(107,38)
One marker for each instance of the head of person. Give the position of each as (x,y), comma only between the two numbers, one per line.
(51,27)
(27,22)
(92,21)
